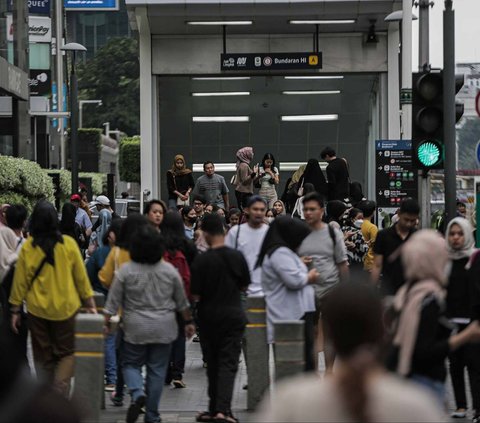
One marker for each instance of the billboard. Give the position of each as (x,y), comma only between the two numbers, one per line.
(39,7)
(39,29)
(91,5)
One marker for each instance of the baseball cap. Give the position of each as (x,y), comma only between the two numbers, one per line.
(102,200)
(75,197)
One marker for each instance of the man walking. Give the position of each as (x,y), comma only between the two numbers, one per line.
(212,187)
(337,175)
(324,250)
(218,277)
(248,239)
(387,261)
(81,216)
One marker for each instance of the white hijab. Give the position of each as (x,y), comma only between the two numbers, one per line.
(8,247)
(468,247)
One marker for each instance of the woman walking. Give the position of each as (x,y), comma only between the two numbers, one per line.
(154,211)
(51,278)
(180,183)
(244,176)
(313,174)
(268,178)
(286,280)
(461,298)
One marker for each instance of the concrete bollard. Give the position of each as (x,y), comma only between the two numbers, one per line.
(89,365)
(289,348)
(257,351)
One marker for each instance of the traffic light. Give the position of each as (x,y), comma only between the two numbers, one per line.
(427,120)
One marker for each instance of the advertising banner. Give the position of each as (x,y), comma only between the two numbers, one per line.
(87,5)
(39,29)
(38,7)
(39,82)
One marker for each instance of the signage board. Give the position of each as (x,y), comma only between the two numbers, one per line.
(270,61)
(13,80)
(39,29)
(396,178)
(91,5)
(39,7)
(39,82)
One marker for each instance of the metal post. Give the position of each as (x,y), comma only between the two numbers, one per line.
(477,211)
(74,124)
(256,351)
(60,78)
(289,348)
(406,127)
(424,191)
(449,110)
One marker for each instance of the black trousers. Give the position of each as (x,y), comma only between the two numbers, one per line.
(309,331)
(466,356)
(242,199)
(221,351)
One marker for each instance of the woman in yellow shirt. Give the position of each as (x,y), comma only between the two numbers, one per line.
(51,278)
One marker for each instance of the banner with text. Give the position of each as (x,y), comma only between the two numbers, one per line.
(270,61)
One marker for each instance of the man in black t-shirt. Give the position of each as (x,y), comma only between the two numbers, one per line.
(387,261)
(337,175)
(218,277)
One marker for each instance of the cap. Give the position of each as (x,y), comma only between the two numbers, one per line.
(75,197)
(102,200)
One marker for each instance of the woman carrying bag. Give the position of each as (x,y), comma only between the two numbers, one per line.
(180,183)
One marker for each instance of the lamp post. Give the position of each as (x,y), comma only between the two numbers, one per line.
(80,106)
(74,47)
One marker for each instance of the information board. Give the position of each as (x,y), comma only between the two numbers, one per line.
(270,61)
(396,178)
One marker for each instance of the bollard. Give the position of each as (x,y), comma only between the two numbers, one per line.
(257,351)
(289,348)
(89,365)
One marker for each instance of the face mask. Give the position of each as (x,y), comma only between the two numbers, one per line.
(192,220)
(270,219)
(358,223)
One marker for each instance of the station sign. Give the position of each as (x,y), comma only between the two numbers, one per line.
(39,29)
(396,178)
(38,7)
(39,82)
(91,5)
(270,61)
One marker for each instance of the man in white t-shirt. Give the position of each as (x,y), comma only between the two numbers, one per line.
(248,239)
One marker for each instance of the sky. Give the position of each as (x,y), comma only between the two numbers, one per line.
(467,32)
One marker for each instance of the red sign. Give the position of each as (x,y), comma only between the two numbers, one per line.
(477,103)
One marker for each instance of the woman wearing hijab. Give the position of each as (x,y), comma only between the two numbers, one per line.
(51,278)
(68,225)
(286,279)
(244,177)
(314,175)
(279,208)
(180,183)
(423,338)
(460,310)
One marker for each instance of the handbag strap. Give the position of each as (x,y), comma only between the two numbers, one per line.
(37,272)
(236,238)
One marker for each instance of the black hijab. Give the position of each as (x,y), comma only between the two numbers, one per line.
(45,229)
(314,175)
(283,232)
(67,224)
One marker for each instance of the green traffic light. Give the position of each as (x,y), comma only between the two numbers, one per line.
(428,153)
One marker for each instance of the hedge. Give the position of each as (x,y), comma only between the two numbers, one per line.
(129,159)
(23,181)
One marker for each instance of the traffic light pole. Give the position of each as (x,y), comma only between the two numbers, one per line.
(449,110)
(406,91)
(424,191)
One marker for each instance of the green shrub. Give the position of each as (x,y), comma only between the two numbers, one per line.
(65,181)
(11,197)
(129,159)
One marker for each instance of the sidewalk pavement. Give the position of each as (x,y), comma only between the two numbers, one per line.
(181,405)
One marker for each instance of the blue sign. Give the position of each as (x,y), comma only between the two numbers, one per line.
(90,4)
(39,7)
(477,152)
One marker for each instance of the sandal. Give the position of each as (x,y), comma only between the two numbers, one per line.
(204,416)
(227,419)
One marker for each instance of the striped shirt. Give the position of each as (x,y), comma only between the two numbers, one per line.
(149,296)
(213,188)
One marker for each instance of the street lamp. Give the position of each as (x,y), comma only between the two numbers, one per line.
(81,103)
(74,47)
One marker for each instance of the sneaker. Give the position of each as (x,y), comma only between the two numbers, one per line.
(135,409)
(459,413)
(116,401)
(178,383)
(110,387)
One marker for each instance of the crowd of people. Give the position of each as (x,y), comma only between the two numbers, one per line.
(377,302)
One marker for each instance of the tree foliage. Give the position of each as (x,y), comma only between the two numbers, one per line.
(112,76)
(129,161)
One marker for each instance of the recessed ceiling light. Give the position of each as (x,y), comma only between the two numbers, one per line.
(221,94)
(220,118)
(308,118)
(219,23)
(315,77)
(321,21)
(310,92)
(220,78)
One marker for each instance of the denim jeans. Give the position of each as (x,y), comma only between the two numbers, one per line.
(155,357)
(110,360)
